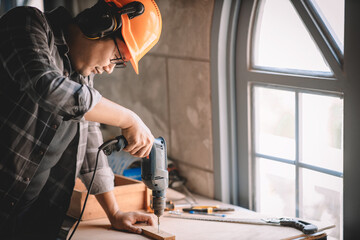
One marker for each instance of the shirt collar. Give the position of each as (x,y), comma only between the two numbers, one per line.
(58,20)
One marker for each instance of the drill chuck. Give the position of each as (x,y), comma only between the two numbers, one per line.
(159,204)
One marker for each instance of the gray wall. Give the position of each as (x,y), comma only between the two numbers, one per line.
(172,92)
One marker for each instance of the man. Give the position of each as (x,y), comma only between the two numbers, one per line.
(50,112)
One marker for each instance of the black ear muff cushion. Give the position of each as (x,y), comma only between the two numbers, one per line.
(97,21)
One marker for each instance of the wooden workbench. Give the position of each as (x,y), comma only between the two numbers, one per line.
(185,229)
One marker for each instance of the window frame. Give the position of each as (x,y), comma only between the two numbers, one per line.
(231,151)
(297,163)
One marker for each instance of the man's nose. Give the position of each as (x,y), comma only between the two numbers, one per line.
(109,68)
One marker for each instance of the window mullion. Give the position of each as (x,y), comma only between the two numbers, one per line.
(323,43)
(297,152)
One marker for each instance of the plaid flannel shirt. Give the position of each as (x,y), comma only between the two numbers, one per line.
(37,93)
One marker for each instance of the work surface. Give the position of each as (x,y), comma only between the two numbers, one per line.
(185,229)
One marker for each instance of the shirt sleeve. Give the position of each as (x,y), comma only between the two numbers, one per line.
(104,178)
(25,54)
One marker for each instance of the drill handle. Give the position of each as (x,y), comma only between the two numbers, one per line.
(121,144)
(118,144)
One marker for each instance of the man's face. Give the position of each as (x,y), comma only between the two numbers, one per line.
(93,56)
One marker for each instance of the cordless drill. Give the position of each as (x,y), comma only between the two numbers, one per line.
(153,170)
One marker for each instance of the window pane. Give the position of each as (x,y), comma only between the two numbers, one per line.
(274,122)
(282,41)
(332,13)
(275,188)
(322,131)
(322,199)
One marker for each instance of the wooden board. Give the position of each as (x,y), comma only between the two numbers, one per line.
(153,233)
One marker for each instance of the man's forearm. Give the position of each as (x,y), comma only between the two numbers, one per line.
(110,113)
(108,203)
(138,135)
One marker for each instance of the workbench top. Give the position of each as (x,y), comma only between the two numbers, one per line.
(187,229)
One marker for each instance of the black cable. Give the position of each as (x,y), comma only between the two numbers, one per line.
(102,147)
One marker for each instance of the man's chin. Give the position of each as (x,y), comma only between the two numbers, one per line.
(84,73)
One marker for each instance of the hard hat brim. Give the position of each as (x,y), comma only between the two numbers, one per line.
(142,32)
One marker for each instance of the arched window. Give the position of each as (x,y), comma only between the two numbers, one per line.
(285,91)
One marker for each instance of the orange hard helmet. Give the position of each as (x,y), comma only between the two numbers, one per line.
(141,33)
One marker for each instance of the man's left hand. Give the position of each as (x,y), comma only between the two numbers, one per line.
(125,221)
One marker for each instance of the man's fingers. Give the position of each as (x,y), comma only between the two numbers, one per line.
(134,144)
(138,217)
(134,229)
(147,152)
(129,147)
(151,221)
(139,148)
(126,221)
(136,150)
(143,152)
(145,218)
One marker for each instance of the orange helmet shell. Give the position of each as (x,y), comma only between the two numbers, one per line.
(142,32)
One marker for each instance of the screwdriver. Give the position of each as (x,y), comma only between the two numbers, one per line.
(209,214)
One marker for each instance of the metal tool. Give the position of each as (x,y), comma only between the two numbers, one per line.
(155,175)
(208,214)
(153,171)
(208,209)
(305,227)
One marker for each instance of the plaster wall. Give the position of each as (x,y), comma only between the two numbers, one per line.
(172,92)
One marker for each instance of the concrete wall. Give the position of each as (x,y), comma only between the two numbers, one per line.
(172,93)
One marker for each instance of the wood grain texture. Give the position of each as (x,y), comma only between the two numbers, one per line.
(130,194)
(153,233)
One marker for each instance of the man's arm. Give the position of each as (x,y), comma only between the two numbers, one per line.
(26,57)
(122,220)
(137,134)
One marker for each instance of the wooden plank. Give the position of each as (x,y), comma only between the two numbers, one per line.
(153,233)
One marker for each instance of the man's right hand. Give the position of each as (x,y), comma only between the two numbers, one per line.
(139,138)
(137,134)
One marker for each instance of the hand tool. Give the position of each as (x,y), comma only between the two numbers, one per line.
(155,175)
(305,227)
(153,170)
(208,209)
(208,214)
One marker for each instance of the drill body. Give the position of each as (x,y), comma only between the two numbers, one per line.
(155,175)
(153,169)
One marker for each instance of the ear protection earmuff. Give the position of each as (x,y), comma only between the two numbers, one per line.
(103,18)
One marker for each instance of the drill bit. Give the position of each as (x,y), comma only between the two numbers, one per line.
(158,224)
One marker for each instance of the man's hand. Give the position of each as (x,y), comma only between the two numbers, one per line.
(122,220)
(139,138)
(125,221)
(137,134)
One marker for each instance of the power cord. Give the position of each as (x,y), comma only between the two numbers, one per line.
(108,148)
